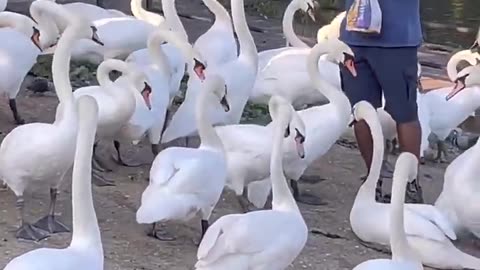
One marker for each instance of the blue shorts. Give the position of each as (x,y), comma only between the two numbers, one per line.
(393,70)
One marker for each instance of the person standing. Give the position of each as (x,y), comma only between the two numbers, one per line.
(386,63)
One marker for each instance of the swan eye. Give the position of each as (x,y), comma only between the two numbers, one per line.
(287,132)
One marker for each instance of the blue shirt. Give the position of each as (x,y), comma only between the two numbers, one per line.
(400,26)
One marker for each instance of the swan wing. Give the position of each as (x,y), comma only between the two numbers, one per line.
(421,222)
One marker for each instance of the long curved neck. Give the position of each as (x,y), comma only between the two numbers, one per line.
(140,13)
(221,14)
(455,60)
(245,39)
(282,197)
(61,66)
(173,20)
(287,24)
(368,188)
(335,96)
(86,232)
(158,56)
(208,135)
(398,239)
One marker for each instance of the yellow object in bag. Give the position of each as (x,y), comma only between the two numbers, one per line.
(364,16)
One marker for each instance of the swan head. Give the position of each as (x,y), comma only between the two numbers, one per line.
(341,54)
(363,110)
(468,77)
(22,24)
(406,167)
(216,84)
(277,106)
(297,128)
(308,7)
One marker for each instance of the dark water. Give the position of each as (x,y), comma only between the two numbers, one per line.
(449,22)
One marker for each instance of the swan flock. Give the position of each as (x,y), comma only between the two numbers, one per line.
(144,63)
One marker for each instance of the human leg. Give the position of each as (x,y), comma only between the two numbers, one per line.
(396,71)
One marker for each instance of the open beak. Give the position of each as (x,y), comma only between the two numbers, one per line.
(349,63)
(225,104)
(299,140)
(459,86)
(36,38)
(146,92)
(199,69)
(474,47)
(310,13)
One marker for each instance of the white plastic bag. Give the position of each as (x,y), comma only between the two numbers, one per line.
(365,16)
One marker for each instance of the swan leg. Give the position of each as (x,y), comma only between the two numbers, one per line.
(119,160)
(100,181)
(441,148)
(26,231)
(305,198)
(160,233)
(50,223)
(97,163)
(13,107)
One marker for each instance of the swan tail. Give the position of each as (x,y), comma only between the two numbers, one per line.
(445,207)
(167,207)
(258,192)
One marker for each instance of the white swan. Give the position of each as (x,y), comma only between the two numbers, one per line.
(43,153)
(324,124)
(151,119)
(19,50)
(142,14)
(439,114)
(403,256)
(185,182)
(266,239)
(248,153)
(331,30)
(287,26)
(239,75)
(217,46)
(286,75)
(427,229)
(91,12)
(85,250)
(458,198)
(121,36)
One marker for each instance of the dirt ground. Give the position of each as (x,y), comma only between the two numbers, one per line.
(125,242)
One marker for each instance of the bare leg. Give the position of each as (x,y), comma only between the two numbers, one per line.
(305,198)
(26,231)
(49,223)
(409,135)
(13,107)
(441,149)
(119,159)
(365,142)
(160,233)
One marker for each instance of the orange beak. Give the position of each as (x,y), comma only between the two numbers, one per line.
(350,65)
(459,86)
(146,95)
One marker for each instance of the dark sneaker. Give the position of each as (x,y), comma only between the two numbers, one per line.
(414,193)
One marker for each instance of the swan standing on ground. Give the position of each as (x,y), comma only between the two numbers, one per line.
(287,26)
(239,75)
(19,50)
(265,239)
(459,197)
(85,250)
(152,120)
(427,229)
(248,153)
(185,182)
(116,101)
(217,45)
(325,123)
(43,153)
(403,256)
